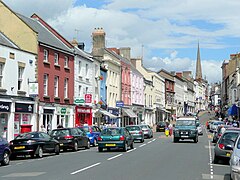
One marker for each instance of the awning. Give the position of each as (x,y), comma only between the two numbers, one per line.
(129,113)
(106,113)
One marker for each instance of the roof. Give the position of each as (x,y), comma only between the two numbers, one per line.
(44,35)
(6,41)
(83,54)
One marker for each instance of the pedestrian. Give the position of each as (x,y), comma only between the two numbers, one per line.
(43,129)
(170,129)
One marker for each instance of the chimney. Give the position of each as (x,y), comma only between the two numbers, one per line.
(81,45)
(179,74)
(74,42)
(98,40)
(125,52)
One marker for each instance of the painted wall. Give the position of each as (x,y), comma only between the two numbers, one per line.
(126,83)
(14,28)
(137,88)
(53,71)
(103,90)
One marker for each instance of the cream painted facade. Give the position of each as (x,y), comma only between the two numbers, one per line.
(113,79)
(154,93)
(16,30)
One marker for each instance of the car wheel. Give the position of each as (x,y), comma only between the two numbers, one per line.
(88,145)
(75,146)
(57,149)
(142,140)
(131,146)
(175,140)
(5,160)
(125,148)
(215,160)
(100,149)
(94,142)
(39,152)
(196,140)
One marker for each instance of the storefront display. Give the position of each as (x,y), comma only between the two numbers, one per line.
(83,116)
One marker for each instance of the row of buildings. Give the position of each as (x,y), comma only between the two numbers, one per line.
(47,80)
(225,95)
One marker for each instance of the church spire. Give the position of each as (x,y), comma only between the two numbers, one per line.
(198,66)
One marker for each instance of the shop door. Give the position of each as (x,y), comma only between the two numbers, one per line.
(47,121)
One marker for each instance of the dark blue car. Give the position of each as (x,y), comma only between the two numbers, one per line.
(4,151)
(92,132)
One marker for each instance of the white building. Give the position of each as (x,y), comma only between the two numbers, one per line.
(17,75)
(180,89)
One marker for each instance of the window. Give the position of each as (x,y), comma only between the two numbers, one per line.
(86,90)
(66,88)
(45,84)
(56,58)
(96,70)
(20,77)
(86,70)
(79,90)
(56,80)
(45,58)
(66,61)
(1,74)
(79,67)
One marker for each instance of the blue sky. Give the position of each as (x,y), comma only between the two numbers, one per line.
(168,30)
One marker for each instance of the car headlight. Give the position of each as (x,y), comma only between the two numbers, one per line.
(30,141)
(235,160)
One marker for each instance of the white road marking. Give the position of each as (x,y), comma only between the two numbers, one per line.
(88,167)
(131,150)
(149,142)
(154,140)
(142,145)
(210,159)
(114,157)
(218,165)
(19,163)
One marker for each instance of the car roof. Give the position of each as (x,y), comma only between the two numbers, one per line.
(232,129)
(186,118)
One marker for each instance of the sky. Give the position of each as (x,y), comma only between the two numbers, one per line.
(164,32)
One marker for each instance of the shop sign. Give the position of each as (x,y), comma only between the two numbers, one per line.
(48,111)
(21,107)
(119,104)
(79,110)
(79,101)
(63,110)
(88,98)
(5,106)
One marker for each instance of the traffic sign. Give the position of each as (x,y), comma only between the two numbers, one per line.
(119,104)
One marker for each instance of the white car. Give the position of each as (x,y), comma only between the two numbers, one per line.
(200,129)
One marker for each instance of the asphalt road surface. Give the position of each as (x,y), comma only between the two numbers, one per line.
(156,158)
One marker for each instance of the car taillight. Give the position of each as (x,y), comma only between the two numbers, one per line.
(68,137)
(122,138)
(219,135)
(90,131)
(140,132)
(221,146)
(99,138)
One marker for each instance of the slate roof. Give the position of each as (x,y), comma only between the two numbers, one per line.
(44,35)
(83,54)
(7,42)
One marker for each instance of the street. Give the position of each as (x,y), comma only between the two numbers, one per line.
(156,158)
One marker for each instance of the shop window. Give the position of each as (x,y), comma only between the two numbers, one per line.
(3,125)
(20,119)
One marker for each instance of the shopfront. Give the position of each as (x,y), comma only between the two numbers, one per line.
(47,120)
(83,115)
(63,116)
(5,108)
(22,118)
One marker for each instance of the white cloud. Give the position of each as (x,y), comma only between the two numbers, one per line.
(155,24)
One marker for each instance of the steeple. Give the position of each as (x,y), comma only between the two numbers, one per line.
(198,66)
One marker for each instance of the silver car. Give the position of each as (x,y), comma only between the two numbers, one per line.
(222,150)
(147,131)
(235,160)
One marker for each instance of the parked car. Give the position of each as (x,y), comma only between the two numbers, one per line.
(214,125)
(118,137)
(136,132)
(223,146)
(92,132)
(199,128)
(147,131)
(71,138)
(235,160)
(4,152)
(160,126)
(218,133)
(34,143)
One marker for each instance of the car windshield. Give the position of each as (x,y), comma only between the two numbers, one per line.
(185,123)
(85,128)
(111,132)
(27,136)
(229,136)
(144,126)
(133,128)
(60,132)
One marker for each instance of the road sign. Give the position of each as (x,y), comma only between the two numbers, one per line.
(88,98)
(119,104)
